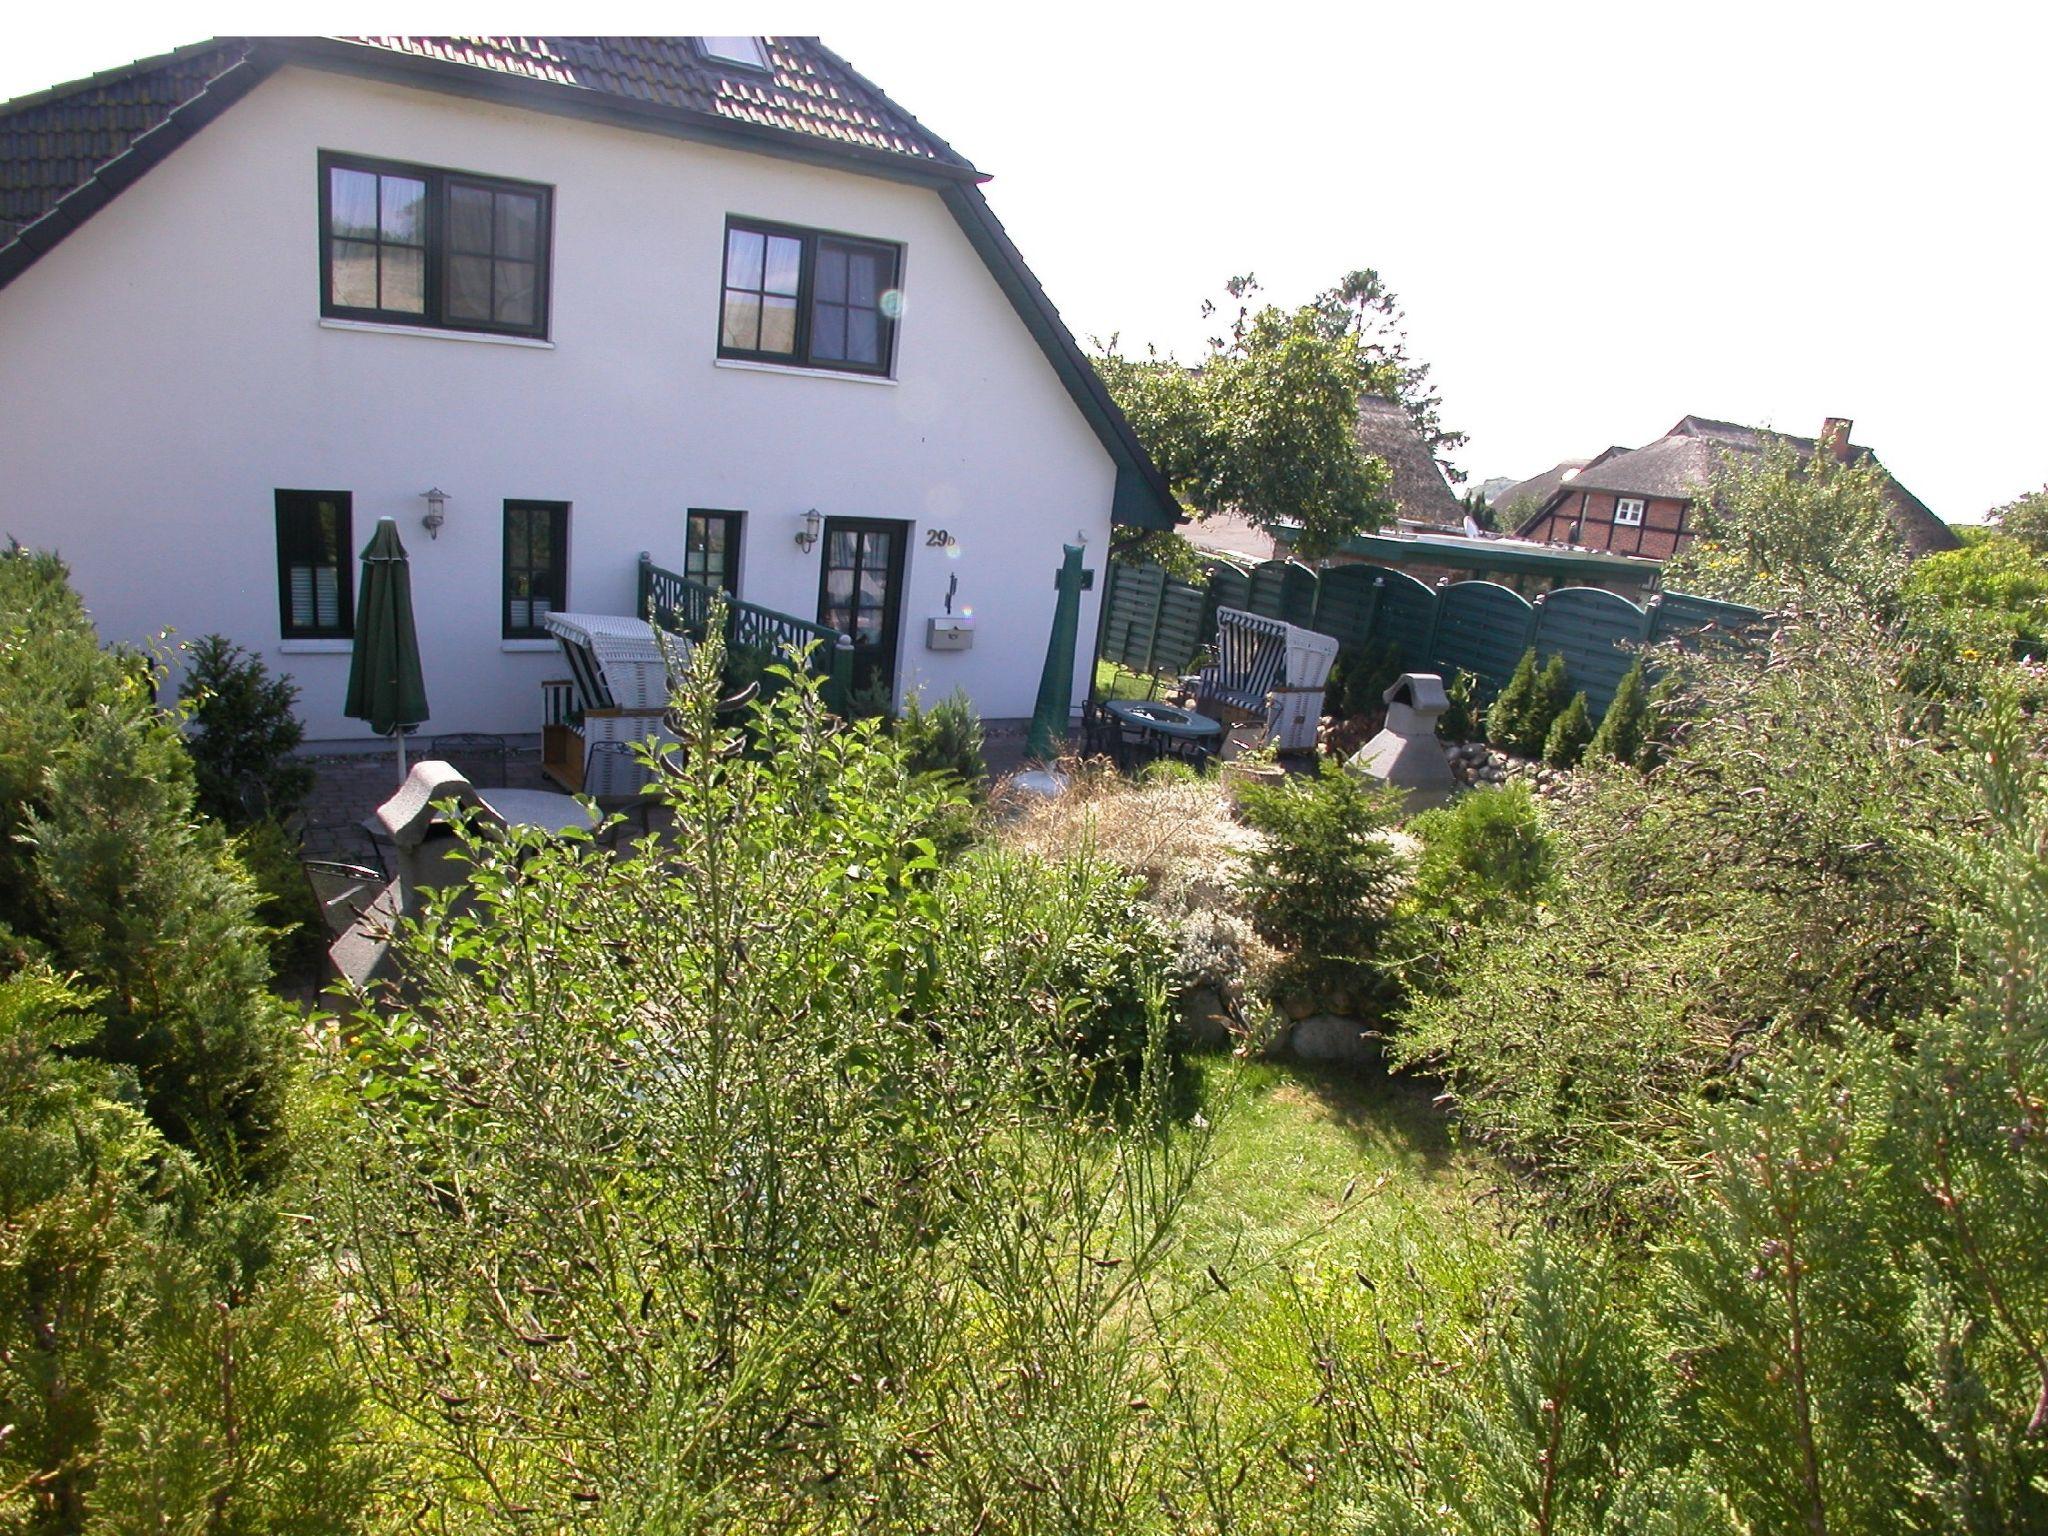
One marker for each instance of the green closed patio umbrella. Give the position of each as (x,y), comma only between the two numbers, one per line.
(384,683)
(1056,683)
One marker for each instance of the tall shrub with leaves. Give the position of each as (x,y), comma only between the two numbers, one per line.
(1785,529)
(1569,735)
(853,1219)
(1784,871)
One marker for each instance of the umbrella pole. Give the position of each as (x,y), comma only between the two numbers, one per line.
(400,734)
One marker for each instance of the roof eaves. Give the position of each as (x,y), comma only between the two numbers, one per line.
(40,236)
(952,155)
(108,76)
(1142,498)
(581,101)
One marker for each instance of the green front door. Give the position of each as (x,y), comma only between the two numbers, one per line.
(860,593)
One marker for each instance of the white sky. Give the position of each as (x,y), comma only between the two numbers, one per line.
(1599,218)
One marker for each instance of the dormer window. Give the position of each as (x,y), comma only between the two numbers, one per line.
(746,52)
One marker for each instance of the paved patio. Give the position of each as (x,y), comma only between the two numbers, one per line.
(348,787)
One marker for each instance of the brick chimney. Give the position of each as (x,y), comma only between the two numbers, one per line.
(1834,436)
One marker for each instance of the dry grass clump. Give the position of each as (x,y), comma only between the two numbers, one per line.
(1176,834)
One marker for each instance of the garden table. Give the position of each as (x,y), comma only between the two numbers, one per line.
(1167,730)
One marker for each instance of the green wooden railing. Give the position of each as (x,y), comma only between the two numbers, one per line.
(679,603)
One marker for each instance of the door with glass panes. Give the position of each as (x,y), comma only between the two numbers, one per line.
(860,593)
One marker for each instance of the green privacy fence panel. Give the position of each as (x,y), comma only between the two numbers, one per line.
(1349,604)
(1160,624)
(1482,628)
(1405,618)
(1680,614)
(1596,633)
(1130,617)
(1284,590)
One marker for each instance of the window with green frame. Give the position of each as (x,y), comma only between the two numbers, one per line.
(314,566)
(536,566)
(711,548)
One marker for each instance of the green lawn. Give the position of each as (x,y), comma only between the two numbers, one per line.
(1114,682)
(1327,1168)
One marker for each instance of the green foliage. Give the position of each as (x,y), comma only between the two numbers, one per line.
(1782,872)
(1359,679)
(1570,734)
(1520,717)
(1266,423)
(2025,518)
(1988,599)
(1624,729)
(111,877)
(1507,715)
(245,732)
(945,740)
(285,905)
(1322,879)
(147,1379)
(865,1186)
(1486,856)
(1465,718)
(1783,530)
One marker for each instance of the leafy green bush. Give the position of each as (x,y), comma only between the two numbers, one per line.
(1624,729)
(1464,719)
(858,1211)
(1485,856)
(1569,734)
(1783,872)
(285,903)
(1358,678)
(246,729)
(1321,881)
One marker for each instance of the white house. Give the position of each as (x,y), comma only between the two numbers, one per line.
(609,295)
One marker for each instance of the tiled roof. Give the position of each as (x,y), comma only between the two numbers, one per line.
(807,88)
(68,151)
(52,141)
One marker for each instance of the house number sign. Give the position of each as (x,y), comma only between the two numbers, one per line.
(938,538)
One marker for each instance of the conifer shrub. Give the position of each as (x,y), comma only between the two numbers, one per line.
(1520,717)
(1569,734)
(1322,879)
(243,731)
(1624,729)
(945,739)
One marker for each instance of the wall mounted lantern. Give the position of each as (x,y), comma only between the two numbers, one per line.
(807,536)
(437,511)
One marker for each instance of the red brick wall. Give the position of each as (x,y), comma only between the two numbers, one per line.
(1665,525)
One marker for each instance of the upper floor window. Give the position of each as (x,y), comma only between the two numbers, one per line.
(711,549)
(810,299)
(315,557)
(1628,510)
(536,566)
(735,50)
(411,245)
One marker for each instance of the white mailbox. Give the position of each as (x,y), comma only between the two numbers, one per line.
(949,634)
